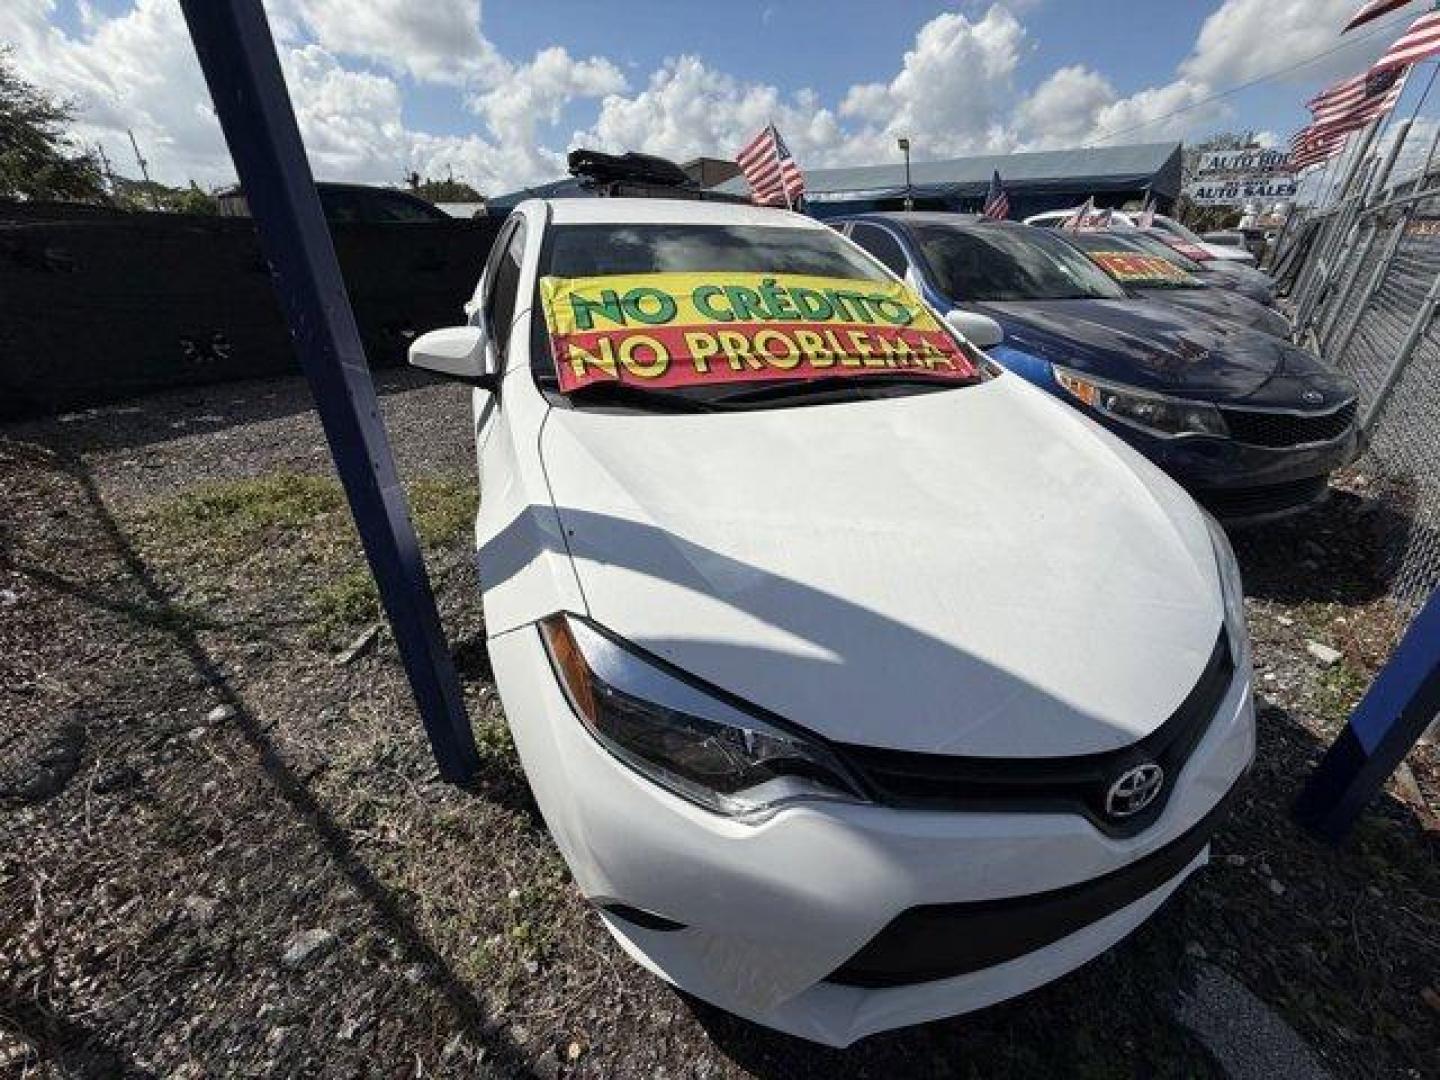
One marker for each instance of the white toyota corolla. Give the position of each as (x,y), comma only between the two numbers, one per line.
(859,682)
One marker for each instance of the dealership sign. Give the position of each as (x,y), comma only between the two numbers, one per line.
(1235,177)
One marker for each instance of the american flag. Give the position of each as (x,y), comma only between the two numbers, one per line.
(1353,103)
(997,203)
(770,170)
(1420,42)
(1373,10)
(1087,217)
(1312,145)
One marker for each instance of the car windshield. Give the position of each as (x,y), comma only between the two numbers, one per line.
(1174,227)
(1130,263)
(672,316)
(591,250)
(997,263)
(1152,246)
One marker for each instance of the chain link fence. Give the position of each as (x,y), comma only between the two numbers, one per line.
(1364,278)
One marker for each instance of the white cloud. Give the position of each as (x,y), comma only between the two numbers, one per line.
(352,63)
(432,40)
(1246,39)
(952,93)
(136,71)
(532,96)
(1062,110)
(687,109)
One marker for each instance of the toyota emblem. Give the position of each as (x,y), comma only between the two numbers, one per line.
(1134,790)
(1313,397)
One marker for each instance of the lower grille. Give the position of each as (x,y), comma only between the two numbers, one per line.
(1076,784)
(1279,429)
(1260,501)
(941,941)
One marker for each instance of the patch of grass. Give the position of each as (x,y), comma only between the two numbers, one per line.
(1339,690)
(443,508)
(223,521)
(300,526)
(345,603)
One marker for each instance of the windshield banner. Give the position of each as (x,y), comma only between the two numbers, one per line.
(695,329)
(1132,266)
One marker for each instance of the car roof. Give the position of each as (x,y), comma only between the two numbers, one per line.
(919,217)
(905,218)
(626,211)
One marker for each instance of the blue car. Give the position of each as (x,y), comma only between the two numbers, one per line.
(1250,424)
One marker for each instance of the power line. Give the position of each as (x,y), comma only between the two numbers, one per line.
(1344,44)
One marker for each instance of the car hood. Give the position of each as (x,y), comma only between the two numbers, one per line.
(979,571)
(1151,345)
(1237,277)
(1229,309)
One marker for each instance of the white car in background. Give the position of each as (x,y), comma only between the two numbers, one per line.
(852,701)
(1054,219)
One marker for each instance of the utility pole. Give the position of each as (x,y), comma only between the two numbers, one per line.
(144,169)
(904,142)
(105,169)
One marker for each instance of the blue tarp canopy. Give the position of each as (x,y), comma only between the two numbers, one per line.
(1043,180)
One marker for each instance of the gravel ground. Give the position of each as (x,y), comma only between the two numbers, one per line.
(223,852)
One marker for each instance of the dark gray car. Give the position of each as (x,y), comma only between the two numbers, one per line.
(1132,261)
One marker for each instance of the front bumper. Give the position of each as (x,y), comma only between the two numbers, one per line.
(768,913)
(1241,483)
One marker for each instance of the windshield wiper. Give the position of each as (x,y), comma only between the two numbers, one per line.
(642,397)
(828,384)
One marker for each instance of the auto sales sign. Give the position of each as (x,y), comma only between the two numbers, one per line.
(689,329)
(1235,177)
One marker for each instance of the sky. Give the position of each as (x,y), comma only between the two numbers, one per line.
(496,93)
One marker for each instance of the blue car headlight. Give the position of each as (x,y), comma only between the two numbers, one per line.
(683,737)
(1158,414)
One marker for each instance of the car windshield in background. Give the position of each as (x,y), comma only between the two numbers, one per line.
(692,317)
(1174,227)
(1130,264)
(996,263)
(1151,246)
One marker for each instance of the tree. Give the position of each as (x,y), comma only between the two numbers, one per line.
(450,190)
(150,195)
(38,160)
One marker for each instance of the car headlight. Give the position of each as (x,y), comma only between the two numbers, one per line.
(683,737)
(1233,592)
(1156,413)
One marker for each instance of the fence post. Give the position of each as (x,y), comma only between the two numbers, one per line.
(1335,236)
(1418,327)
(1377,278)
(1355,256)
(237,54)
(1336,309)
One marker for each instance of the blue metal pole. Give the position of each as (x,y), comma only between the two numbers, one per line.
(1400,704)
(237,55)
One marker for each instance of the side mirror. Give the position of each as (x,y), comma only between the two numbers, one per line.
(980,330)
(459,352)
